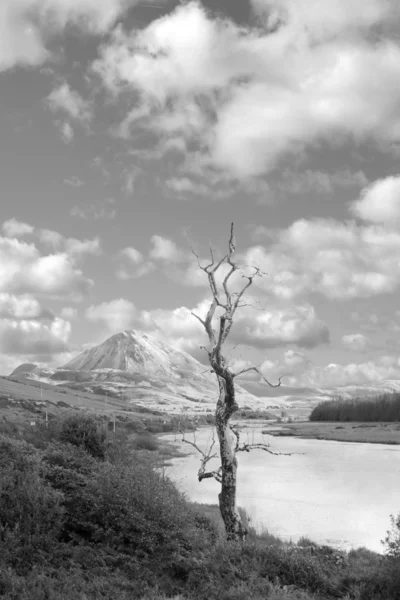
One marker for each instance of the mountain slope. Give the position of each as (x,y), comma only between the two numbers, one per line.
(140,369)
(135,351)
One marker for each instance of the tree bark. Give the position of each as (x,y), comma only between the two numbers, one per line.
(226,406)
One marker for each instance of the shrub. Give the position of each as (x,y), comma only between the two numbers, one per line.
(145,441)
(86,432)
(31,512)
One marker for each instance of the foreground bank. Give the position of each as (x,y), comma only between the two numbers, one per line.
(81,517)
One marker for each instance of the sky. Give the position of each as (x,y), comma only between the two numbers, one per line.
(132,132)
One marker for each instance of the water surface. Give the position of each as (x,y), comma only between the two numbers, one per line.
(335,493)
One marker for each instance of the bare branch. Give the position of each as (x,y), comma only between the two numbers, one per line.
(198,318)
(257,370)
(206,457)
(265,447)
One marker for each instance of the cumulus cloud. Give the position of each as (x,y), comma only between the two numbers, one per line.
(64,98)
(337,259)
(132,264)
(249,97)
(380,202)
(26,26)
(22,307)
(167,250)
(14,228)
(116,315)
(26,337)
(102,210)
(24,270)
(297,326)
(355,341)
(335,374)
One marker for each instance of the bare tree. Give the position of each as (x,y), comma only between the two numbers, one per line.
(228,435)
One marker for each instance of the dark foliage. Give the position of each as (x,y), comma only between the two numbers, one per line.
(73,527)
(385,407)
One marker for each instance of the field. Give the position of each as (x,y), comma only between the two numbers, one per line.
(373,433)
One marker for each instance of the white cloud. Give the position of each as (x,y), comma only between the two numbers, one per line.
(34,338)
(337,259)
(69,313)
(355,341)
(14,228)
(167,250)
(249,97)
(76,247)
(293,325)
(102,210)
(117,315)
(74,181)
(182,185)
(66,99)
(26,26)
(132,264)
(67,133)
(24,270)
(22,307)
(334,374)
(72,246)
(380,202)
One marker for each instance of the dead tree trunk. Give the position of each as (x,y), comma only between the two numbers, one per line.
(234,527)
(228,436)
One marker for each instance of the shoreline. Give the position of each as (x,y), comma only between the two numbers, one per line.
(354,432)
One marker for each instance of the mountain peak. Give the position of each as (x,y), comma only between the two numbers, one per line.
(134,351)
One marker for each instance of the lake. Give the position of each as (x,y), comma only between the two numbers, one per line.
(335,493)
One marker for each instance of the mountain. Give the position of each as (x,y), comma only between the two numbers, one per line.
(140,369)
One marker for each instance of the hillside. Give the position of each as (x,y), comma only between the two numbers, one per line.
(135,367)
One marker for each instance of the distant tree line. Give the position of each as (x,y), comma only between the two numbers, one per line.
(385,407)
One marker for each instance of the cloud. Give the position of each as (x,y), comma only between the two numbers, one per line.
(293,325)
(117,315)
(335,374)
(246,98)
(24,270)
(65,99)
(22,307)
(69,313)
(26,337)
(297,326)
(74,182)
(14,228)
(72,246)
(380,202)
(103,210)
(183,185)
(356,342)
(132,264)
(67,133)
(166,250)
(28,26)
(337,259)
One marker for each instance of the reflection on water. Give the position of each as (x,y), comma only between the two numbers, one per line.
(332,492)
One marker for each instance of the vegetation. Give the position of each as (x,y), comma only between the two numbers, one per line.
(77,524)
(385,407)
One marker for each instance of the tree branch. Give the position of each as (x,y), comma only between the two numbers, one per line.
(257,370)
(265,447)
(206,457)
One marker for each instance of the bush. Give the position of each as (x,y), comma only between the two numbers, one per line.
(31,512)
(145,441)
(85,431)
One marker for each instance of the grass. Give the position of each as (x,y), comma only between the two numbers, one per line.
(92,517)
